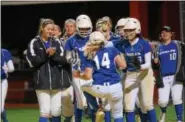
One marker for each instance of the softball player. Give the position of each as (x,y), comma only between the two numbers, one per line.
(45,56)
(69,28)
(119,28)
(66,78)
(68,93)
(139,79)
(104,25)
(169,57)
(57,31)
(76,44)
(6,67)
(103,69)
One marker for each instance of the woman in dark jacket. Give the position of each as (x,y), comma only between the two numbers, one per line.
(46,56)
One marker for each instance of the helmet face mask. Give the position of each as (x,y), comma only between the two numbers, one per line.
(84,32)
(83,25)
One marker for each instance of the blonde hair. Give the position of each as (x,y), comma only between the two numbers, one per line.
(108,20)
(43,23)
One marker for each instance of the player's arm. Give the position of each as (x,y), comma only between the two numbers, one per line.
(120,61)
(9,62)
(71,54)
(147,56)
(59,55)
(33,57)
(147,64)
(87,75)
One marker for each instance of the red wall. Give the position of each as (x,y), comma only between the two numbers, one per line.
(139,10)
(169,16)
(170,12)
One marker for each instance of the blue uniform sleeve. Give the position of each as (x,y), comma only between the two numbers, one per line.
(7,55)
(89,63)
(68,45)
(115,52)
(146,47)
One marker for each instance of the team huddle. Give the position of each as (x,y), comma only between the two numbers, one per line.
(110,73)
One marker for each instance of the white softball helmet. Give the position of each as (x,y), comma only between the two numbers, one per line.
(121,22)
(97,38)
(133,23)
(120,25)
(83,25)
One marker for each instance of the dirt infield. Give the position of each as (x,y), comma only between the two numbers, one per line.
(17,105)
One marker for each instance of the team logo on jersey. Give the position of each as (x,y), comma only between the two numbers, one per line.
(167,51)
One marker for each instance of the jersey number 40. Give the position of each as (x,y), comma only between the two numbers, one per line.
(105,62)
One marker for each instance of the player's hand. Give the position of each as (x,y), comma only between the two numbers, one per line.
(127,90)
(76,74)
(51,51)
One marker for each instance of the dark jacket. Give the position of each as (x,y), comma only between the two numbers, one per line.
(180,73)
(47,70)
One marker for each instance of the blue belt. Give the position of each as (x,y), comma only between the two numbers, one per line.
(168,74)
(106,83)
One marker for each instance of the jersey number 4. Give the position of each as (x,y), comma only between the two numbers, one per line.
(105,61)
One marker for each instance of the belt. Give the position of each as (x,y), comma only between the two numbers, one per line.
(168,74)
(106,83)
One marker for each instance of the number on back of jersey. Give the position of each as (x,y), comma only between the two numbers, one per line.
(105,61)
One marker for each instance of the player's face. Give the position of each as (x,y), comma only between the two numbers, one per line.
(121,31)
(47,31)
(130,34)
(70,28)
(56,32)
(84,31)
(166,35)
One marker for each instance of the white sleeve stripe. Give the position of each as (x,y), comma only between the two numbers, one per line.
(29,62)
(61,48)
(62,51)
(31,47)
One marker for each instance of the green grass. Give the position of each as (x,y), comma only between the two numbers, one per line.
(32,115)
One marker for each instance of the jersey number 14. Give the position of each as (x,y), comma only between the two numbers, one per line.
(104,63)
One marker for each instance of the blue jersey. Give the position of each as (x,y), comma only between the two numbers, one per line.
(104,66)
(114,37)
(139,49)
(168,56)
(5,58)
(47,44)
(77,43)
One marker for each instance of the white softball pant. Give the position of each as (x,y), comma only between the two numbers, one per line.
(79,95)
(67,102)
(170,85)
(3,92)
(113,93)
(49,102)
(139,90)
